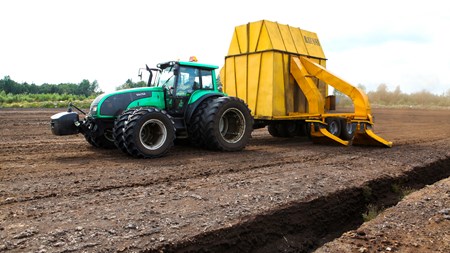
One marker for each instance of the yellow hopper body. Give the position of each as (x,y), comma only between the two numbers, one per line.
(279,71)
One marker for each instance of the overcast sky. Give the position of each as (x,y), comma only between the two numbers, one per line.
(397,43)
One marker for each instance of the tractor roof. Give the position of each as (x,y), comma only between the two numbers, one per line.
(187,63)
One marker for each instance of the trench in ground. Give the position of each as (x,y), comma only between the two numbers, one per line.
(305,226)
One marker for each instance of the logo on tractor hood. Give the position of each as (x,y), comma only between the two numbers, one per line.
(142,94)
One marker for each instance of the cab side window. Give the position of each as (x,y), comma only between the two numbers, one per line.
(207,79)
(188,81)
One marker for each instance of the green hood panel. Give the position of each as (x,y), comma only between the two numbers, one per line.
(113,104)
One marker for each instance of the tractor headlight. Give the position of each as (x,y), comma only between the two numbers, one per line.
(94,110)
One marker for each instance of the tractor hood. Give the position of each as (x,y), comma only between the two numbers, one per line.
(110,105)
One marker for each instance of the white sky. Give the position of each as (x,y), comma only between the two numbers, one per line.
(398,43)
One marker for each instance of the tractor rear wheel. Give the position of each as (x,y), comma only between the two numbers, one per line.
(223,123)
(195,130)
(118,130)
(149,133)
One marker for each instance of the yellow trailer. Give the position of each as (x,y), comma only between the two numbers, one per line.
(279,71)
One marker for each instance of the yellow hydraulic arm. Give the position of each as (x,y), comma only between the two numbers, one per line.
(301,69)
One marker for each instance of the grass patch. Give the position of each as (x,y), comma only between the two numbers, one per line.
(371,213)
(401,191)
(43,100)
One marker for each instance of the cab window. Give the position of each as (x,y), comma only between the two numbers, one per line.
(207,79)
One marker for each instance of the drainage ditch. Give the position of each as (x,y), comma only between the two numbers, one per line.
(303,227)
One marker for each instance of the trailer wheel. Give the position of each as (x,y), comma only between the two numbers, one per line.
(225,124)
(348,130)
(286,129)
(303,129)
(292,128)
(149,133)
(273,129)
(118,130)
(334,126)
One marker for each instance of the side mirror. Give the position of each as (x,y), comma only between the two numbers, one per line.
(140,73)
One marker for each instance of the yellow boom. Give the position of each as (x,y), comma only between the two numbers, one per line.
(280,72)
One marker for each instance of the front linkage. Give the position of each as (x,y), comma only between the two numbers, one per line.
(97,133)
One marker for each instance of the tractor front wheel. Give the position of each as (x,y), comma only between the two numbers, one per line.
(149,133)
(102,141)
(118,130)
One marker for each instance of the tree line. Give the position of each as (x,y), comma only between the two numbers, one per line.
(382,96)
(13,92)
(84,88)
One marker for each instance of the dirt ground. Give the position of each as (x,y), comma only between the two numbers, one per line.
(59,194)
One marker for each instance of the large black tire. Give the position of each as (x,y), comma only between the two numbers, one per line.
(347,130)
(105,141)
(222,123)
(149,133)
(195,130)
(334,126)
(273,128)
(285,129)
(118,130)
(90,140)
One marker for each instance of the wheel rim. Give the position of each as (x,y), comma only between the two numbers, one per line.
(349,128)
(333,127)
(153,134)
(232,125)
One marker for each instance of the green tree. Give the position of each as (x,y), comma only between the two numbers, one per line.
(85,88)
(9,86)
(130,84)
(362,87)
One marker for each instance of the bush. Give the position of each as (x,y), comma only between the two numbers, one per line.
(49,100)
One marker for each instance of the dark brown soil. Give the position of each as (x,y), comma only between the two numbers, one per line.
(419,223)
(59,194)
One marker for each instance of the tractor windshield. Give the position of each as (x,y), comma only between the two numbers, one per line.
(167,77)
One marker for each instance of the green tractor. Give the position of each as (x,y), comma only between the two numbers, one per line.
(183,102)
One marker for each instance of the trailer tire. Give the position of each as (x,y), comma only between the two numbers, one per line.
(273,128)
(308,130)
(118,130)
(149,133)
(347,130)
(285,129)
(303,129)
(334,126)
(225,124)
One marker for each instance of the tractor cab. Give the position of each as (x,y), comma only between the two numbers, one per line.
(184,83)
